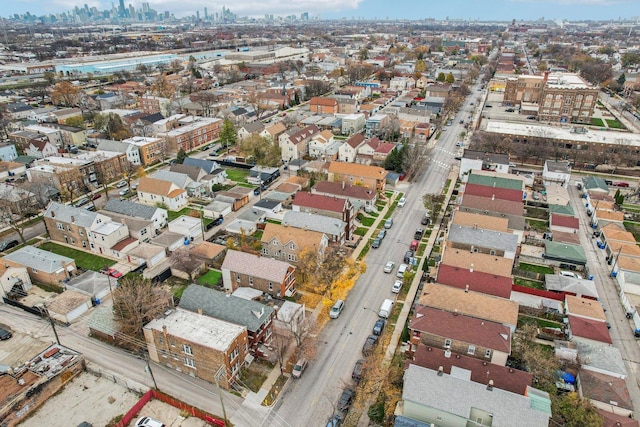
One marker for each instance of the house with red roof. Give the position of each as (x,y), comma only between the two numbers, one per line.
(486,283)
(374,149)
(334,207)
(361,197)
(321,105)
(493,192)
(460,334)
(296,145)
(348,151)
(479,371)
(589,329)
(564,223)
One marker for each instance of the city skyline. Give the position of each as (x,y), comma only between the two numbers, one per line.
(502,10)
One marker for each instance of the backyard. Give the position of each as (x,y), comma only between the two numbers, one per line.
(237,175)
(84,260)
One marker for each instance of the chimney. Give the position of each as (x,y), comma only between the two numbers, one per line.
(490,385)
(546,77)
(343,184)
(53,214)
(455,312)
(471,268)
(440,371)
(466,288)
(200,311)
(493,197)
(447,354)
(73,219)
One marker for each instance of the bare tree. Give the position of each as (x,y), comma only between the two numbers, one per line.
(136,302)
(15,207)
(183,261)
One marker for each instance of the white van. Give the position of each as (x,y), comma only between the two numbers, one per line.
(336,309)
(385,308)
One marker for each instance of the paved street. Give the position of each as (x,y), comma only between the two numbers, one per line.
(621,328)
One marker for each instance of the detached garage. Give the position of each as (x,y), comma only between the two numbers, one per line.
(68,306)
(93,284)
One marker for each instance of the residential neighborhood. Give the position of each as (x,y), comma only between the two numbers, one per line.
(292,220)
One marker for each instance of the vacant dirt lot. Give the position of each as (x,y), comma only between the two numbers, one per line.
(87,398)
(168,415)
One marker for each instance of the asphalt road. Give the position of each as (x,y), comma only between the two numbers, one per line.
(312,399)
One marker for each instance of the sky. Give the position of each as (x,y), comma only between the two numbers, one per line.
(364,9)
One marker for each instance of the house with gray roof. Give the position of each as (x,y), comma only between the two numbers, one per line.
(601,358)
(431,396)
(94,284)
(476,239)
(42,266)
(272,207)
(334,228)
(208,166)
(182,180)
(256,317)
(269,275)
(130,150)
(157,216)
(84,229)
(193,172)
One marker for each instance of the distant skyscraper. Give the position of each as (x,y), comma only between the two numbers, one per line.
(206,15)
(122,12)
(304,16)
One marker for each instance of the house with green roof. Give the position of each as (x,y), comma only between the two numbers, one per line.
(565,253)
(561,210)
(594,184)
(491,180)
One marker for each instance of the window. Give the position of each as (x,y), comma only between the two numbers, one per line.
(237,278)
(60,226)
(233,354)
(34,270)
(84,243)
(81,232)
(472,349)
(292,257)
(447,343)
(189,362)
(487,354)
(68,228)
(160,339)
(186,349)
(235,367)
(251,280)
(292,246)
(270,286)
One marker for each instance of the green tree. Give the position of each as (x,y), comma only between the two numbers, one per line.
(181,156)
(394,160)
(49,76)
(420,66)
(364,54)
(569,410)
(263,151)
(441,77)
(111,124)
(75,121)
(450,79)
(228,134)
(621,79)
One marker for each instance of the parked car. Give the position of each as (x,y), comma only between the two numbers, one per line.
(8,244)
(418,234)
(425,219)
(510,110)
(369,344)
(402,202)
(4,334)
(397,285)
(401,270)
(407,256)
(124,191)
(388,267)
(388,223)
(334,421)
(299,368)
(121,184)
(621,184)
(335,311)
(96,196)
(378,327)
(376,243)
(382,234)
(148,422)
(81,202)
(344,403)
(531,117)
(414,245)
(112,272)
(357,370)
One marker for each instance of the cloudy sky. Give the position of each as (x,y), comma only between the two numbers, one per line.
(354,9)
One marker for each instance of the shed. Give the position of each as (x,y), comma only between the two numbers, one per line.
(92,283)
(69,306)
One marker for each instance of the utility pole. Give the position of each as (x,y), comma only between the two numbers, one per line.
(53,325)
(220,372)
(146,358)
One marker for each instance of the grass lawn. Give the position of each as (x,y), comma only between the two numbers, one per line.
(365,250)
(210,278)
(597,122)
(537,213)
(360,231)
(614,124)
(538,224)
(171,215)
(633,228)
(237,175)
(535,268)
(534,284)
(365,220)
(85,260)
(633,208)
